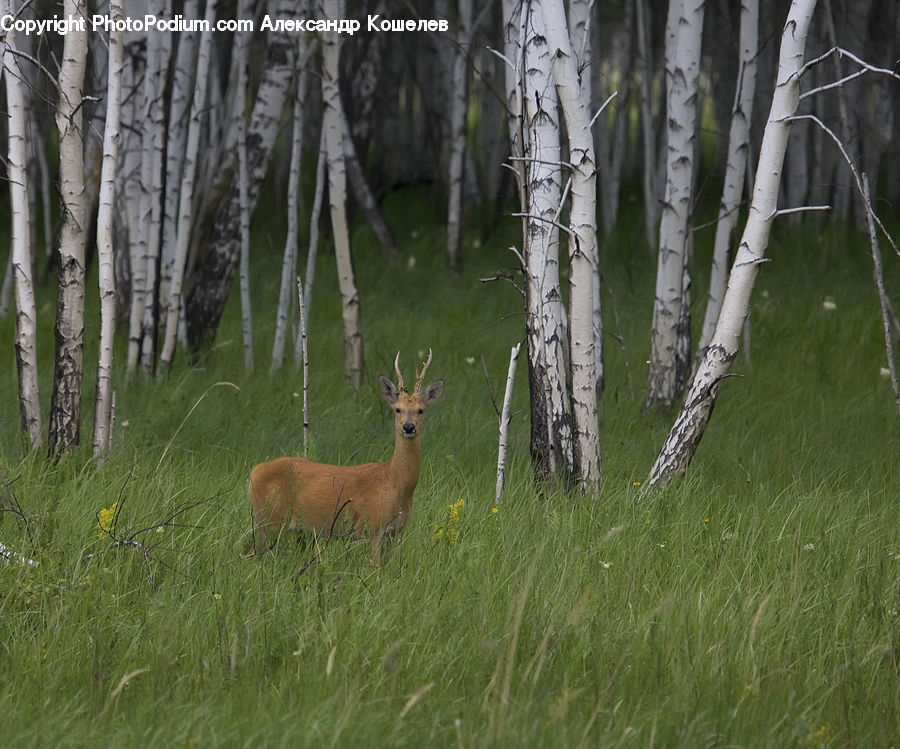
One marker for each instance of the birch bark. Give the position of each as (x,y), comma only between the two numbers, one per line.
(105,260)
(669,362)
(332,118)
(583,266)
(458,107)
(289,259)
(735,169)
(183,218)
(551,420)
(21,248)
(65,405)
(687,431)
(206,299)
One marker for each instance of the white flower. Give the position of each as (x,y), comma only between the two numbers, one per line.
(809,547)
(885,373)
(828,305)
(470,360)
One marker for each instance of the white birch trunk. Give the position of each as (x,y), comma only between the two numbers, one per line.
(21,249)
(551,427)
(685,435)
(314,221)
(337,196)
(458,106)
(684,30)
(735,169)
(289,261)
(65,406)
(243,178)
(582,245)
(302,343)
(505,418)
(184,215)
(140,191)
(649,180)
(154,192)
(105,213)
(180,99)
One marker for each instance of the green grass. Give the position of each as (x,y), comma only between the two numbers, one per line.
(753,603)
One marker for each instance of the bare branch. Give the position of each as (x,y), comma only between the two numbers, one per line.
(798,209)
(602,107)
(853,171)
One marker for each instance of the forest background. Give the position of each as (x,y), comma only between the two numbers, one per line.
(753,599)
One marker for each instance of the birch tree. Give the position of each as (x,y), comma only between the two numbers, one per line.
(289,262)
(669,353)
(21,247)
(551,419)
(65,405)
(332,118)
(583,262)
(214,273)
(184,214)
(182,85)
(735,169)
(458,109)
(105,213)
(691,422)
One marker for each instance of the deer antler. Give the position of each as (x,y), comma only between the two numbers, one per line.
(400,385)
(421,375)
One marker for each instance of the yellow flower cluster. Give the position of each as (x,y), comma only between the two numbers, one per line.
(451,531)
(106,519)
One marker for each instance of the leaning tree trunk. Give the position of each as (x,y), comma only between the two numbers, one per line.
(685,435)
(332,118)
(105,209)
(735,169)
(206,300)
(65,406)
(583,263)
(20,250)
(669,362)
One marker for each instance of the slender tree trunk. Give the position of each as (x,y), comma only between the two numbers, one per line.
(363,192)
(184,216)
(337,196)
(649,180)
(155,196)
(289,261)
(505,418)
(180,100)
(583,263)
(688,429)
(207,298)
(21,248)
(735,169)
(105,256)
(65,405)
(314,220)
(458,110)
(669,357)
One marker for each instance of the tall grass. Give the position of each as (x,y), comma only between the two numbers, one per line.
(753,602)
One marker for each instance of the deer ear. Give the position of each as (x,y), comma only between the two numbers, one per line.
(388,390)
(433,392)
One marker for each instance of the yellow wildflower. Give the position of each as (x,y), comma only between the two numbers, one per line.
(106,519)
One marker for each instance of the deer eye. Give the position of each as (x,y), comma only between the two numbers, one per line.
(397,410)
(421,410)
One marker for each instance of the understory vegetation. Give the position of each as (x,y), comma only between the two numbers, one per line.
(752,602)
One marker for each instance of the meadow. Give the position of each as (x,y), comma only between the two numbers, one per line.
(753,602)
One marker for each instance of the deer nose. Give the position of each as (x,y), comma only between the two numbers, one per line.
(409,429)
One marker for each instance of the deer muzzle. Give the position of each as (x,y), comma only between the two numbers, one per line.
(409,429)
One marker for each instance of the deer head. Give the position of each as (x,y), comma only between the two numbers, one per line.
(409,407)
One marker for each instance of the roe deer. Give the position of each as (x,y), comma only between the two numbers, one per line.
(374,499)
